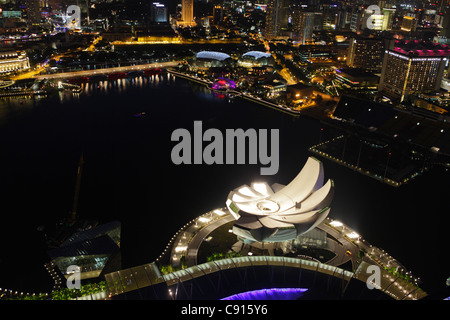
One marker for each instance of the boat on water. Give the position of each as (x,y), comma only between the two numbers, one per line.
(153,71)
(117,75)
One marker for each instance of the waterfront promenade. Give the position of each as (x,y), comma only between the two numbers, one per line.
(236,93)
(348,245)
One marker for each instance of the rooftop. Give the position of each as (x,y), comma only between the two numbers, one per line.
(356,72)
(213,55)
(257,54)
(421,48)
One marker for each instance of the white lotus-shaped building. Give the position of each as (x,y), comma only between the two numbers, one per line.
(281,213)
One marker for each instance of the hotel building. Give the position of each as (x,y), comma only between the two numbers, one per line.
(366,53)
(412,67)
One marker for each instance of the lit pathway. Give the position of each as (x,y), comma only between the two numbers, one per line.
(87,73)
(348,246)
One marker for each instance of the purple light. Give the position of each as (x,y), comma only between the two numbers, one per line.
(223,84)
(269,294)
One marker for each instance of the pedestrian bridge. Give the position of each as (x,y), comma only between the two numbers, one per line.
(222,278)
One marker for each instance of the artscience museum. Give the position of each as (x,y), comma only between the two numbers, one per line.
(277,213)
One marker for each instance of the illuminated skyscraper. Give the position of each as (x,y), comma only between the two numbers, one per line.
(366,53)
(276,18)
(412,67)
(187,12)
(302,26)
(158,12)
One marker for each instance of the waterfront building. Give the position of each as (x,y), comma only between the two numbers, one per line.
(211,59)
(281,213)
(256,59)
(412,67)
(95,250)
(419,127)
(11,61)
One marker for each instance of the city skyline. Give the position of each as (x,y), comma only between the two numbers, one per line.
(360,88)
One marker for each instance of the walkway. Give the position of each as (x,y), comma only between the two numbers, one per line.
(87,73)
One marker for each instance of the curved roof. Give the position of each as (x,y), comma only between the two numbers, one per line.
(257,54)
(282,212)
(213,55)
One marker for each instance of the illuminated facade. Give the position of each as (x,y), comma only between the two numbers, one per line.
(223,84)
(408,23)
(366,53)
(158,13)
(11,61)
(302,26)
(281,213)
(94,250)
(208,59)
(276,18)
(413,67)
(187,13)
(255,59)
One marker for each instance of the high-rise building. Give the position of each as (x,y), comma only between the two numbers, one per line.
(217,15)
(409,23)
(366,53)
(356,21)
(276,18)
(412,67)
(33,12)
(158,12)
(303,26)
(388,18)
(187,13)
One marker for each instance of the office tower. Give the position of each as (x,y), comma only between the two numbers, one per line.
(276,18)
(158,12)
(366,53)
(388,18)
(303,26)
(356,21)
(187,12)
(409,23)
(217,15)
(412,67)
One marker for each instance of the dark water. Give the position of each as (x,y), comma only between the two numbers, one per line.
(128,175)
